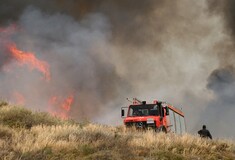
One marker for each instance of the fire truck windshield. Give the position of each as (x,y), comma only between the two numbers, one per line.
(143,110)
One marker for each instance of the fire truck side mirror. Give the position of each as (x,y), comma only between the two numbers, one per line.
(123,112)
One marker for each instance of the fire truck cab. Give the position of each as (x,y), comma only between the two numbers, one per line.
(158,115)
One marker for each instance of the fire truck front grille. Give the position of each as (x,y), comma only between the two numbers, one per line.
(140,124)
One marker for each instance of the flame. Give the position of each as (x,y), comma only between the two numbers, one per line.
(29,59)
(60,107)
(67,103)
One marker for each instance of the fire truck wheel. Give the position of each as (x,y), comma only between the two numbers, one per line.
(161,129)
(164,130)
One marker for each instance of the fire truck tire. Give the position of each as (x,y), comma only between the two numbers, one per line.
(164,130)
(161,129)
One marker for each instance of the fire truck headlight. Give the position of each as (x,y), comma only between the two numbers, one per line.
(150,120)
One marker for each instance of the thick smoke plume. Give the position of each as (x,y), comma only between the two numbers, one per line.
(101,52)
(76,53)
(227,10)
(220,111)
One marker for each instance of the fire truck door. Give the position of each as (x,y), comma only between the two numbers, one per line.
(168,123)
(172,121)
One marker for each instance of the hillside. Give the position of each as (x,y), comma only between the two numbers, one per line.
(30,135)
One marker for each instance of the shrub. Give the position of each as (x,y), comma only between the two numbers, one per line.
(15,117)
(20,117)
(3,103)
(42,118)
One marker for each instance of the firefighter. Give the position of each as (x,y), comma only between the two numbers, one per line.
(204,133)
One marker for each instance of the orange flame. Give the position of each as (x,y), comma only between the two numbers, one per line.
(61,107)
(67,103)
(58,106)
(30,60)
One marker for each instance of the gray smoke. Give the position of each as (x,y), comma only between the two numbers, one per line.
(78,59)
(220,111)
(221,80)
(227,10)
(104,51)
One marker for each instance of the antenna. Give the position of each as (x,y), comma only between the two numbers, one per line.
(129,100)
(135,99)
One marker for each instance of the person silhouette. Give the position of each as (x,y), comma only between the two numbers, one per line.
(204,133)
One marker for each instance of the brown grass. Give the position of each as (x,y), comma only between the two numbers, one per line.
(70,141)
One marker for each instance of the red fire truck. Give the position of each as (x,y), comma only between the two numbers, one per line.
(158,115)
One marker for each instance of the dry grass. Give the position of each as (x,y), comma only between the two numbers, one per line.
(65,140)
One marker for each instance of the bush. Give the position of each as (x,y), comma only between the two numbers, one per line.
(20,117)
(3,103)
(42,118)
(15,117)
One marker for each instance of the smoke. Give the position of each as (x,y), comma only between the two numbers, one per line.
(105,51)
(219,113)
(78,58)
(225,50)
(221,80)
(227,10)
